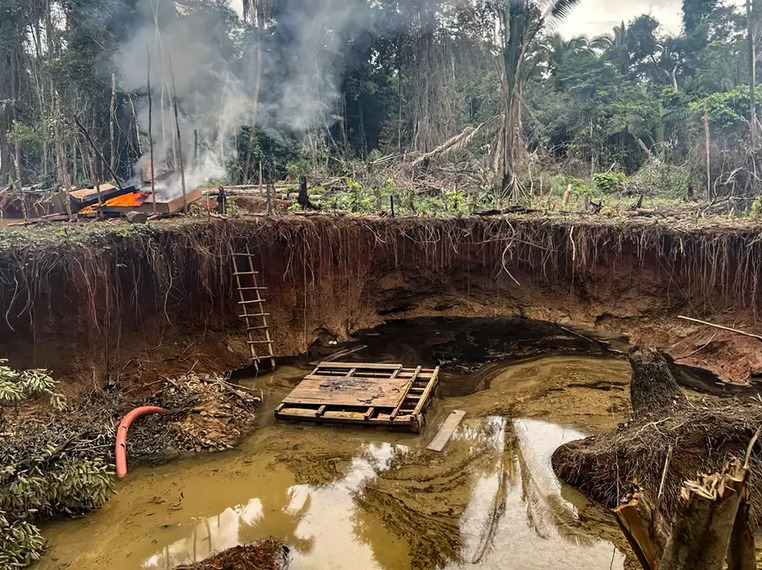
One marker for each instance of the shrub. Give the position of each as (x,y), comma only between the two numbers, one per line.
(17,386)
(21,543)
(609,182)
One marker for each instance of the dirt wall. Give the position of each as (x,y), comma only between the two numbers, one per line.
(125,302)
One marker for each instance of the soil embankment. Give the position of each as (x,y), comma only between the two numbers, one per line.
(135,303)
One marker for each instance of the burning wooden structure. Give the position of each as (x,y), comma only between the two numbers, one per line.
(140,201)
(363,394)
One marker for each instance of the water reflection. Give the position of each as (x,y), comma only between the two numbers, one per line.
(515,516)
(209,536)
(318,522)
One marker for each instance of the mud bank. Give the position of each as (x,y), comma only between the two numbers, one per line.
(130,303)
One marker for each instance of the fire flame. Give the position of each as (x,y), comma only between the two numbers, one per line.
(131,200)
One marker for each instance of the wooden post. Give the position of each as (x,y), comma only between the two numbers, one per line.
(150,133)
(91,142)
(136,126)
(100,200)
(60,154)
(708,155)
(112,118)
(179,140)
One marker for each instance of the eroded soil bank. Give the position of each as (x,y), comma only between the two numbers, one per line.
(131,304)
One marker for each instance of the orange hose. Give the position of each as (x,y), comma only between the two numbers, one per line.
(121,436)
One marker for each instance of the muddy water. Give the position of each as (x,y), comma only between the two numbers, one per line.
(366,499)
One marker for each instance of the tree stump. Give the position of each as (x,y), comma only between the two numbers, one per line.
(653,388)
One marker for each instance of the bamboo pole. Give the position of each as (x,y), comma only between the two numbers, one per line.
(112,118)
(150,133)
(179,140)
(91,142)
(736,331)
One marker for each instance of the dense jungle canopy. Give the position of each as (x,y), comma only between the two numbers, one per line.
(486,89)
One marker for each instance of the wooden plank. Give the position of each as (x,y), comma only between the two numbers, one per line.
(370,413)
(320,411)
(372,366)
(427,392)
(340,391)
(443,436)
(407,389)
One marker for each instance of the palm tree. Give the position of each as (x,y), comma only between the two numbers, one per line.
(522,21)
(615,48)
(556,50)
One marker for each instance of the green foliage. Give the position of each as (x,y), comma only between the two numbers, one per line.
(233,209)
(561,182)
(609,182)
(274,152)
(17,386)
(355,199)
(40,487)
(659,178)
(728,111)
(46,485)
(21,543)
(756,208)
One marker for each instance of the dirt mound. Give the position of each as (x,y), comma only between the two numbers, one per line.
(685,438)
(267,554)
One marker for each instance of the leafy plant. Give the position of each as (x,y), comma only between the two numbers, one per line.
(21,543)
(609,182)
(756,208)
(17,386)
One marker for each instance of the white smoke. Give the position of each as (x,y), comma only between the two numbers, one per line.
(299,78)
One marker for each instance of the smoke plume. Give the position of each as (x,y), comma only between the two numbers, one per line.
(208,58)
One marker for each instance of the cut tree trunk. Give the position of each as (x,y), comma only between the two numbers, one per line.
(705,520)
(653,388)
(741,554)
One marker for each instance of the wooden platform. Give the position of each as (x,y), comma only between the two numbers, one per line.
(362,393)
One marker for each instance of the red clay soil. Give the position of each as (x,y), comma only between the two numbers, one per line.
(326,273)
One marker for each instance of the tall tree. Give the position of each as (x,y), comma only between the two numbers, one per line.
(695,13)
(522,22)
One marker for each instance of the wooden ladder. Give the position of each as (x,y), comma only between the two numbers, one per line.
(253,305)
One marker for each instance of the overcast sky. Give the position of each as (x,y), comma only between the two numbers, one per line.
(596,17)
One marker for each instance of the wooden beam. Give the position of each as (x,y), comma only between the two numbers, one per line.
(451,423)
(427,392)
(405,392)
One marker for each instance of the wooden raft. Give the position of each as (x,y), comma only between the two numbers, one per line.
(362,393)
